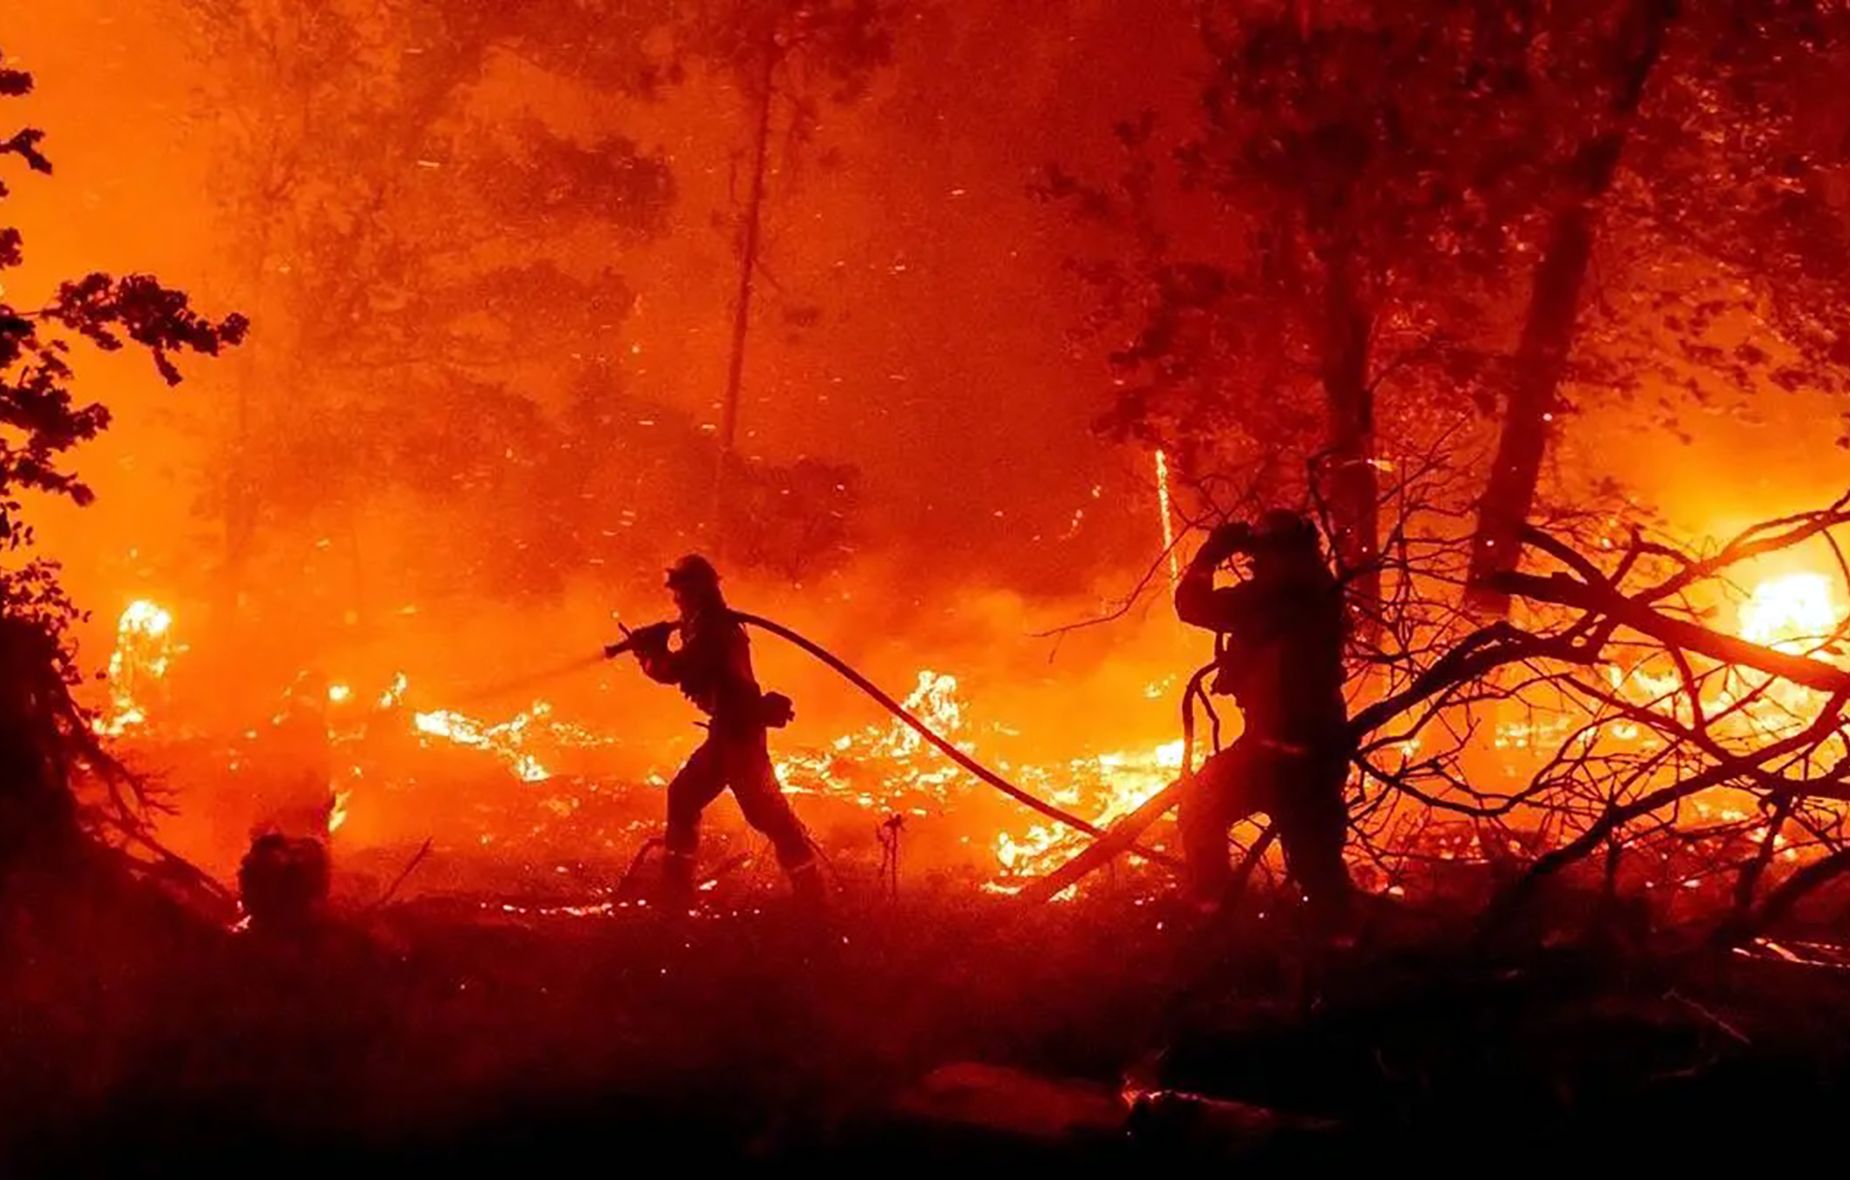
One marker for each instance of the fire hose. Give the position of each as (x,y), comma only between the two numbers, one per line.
(847,672)
(943,745)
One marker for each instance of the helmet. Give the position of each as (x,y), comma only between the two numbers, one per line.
(1281,529)
(693,572)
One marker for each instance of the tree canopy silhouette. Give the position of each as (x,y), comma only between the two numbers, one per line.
(43,733)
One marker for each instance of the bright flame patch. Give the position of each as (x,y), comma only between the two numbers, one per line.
(1791,612)
(144,647)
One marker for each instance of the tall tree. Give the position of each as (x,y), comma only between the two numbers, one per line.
(1705,190)
(440,259)
(1366,166)
(43,734)
(794,54)
(1540,361)
(420,253)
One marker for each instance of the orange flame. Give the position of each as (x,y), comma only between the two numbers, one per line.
(506,740)
(144,647)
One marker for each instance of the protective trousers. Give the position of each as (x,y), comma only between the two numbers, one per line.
(739,759)
(1300,788)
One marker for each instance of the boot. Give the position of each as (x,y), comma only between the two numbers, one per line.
(677,895)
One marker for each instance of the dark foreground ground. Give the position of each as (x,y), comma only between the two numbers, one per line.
(942,1027)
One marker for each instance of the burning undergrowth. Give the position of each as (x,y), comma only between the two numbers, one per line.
(533,790)
(547,783)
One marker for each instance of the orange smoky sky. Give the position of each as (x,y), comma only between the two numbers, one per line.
(916,318)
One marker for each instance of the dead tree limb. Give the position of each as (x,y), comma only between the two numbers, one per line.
(1617,816)
(1677,633)
(1122,835)
(1780,902)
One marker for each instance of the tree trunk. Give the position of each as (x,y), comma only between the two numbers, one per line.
(742,306)
(42,735)
(1352,486)
(1554,304)
(1528,419)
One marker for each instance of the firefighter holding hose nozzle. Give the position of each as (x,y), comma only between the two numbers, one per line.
(1281,659)
(712,666)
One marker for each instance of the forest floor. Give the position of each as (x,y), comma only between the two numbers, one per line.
(938,1025)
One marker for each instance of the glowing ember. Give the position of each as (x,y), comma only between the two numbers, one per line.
(395,693)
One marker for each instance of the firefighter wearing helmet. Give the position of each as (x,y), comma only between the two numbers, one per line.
(1280,656)
(712,666)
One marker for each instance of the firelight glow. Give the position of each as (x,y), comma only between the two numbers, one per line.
(1169,528)
(1791,612)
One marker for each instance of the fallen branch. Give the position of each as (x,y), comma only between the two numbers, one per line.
(1122,836)
(1780,902)
(1618,815)
(1677,633)
(392,889)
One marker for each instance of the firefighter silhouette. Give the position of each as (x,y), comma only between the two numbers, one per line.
(713,667)
(1280,656)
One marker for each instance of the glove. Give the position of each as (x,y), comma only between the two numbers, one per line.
(653,637)
(1226,540)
